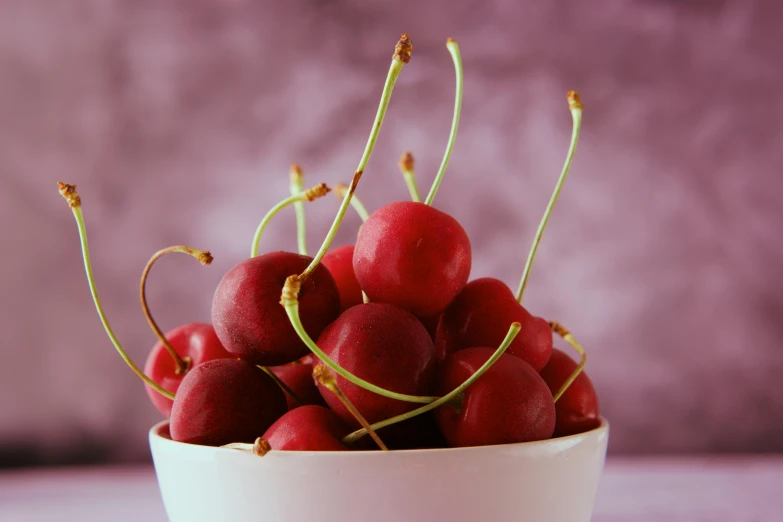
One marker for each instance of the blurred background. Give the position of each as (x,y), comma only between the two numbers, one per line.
(178,121)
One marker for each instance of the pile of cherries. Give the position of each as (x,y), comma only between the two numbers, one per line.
(403,346)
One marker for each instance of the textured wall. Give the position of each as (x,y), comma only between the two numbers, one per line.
(179,119)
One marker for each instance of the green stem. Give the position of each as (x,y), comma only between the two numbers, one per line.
(567,337)
(292,309)
(575,105)
(296,186)
(69,192)
(510,336)
(400,58)
(341,190)
(453,48)
(406,167)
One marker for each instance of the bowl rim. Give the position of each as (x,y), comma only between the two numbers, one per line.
(158,433)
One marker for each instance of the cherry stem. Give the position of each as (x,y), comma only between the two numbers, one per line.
(310,194)
(510,336)
(406,167)
(560,330)
(74,201)
(322,374)
(402,55)
(296,186)
(341,190)
(575,104)
(182,365)
(283,386)
(289,299)
(453,48)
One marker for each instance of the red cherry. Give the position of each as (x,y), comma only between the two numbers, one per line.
(247,315)
(386,346)
(340,264)
(413,256)
(431,324)
(308,428)
(509,403)
(480,316)
(577,408)
(224,401)
(197,341)
(299,377)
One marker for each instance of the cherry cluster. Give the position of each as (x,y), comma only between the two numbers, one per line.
(386,337)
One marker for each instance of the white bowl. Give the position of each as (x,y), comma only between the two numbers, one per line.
(547,481)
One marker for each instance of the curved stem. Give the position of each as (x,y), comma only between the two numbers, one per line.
(296,186)
(203,257)
(340,190)
(560,330)
(310,194)
(325,377)
(453,48)
(406,167)
(289,301)
(402,54)
(575,104)
(70,195)
(510,336)
(279,382)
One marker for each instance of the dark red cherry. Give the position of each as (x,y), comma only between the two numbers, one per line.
(340,264)
(481,315)
(509,403)
(577,409)
(247,315)
(382,344)
(412,256)
(420,432)
(308,428)
(197,341)
(431,324)
(299,377)
(224,401)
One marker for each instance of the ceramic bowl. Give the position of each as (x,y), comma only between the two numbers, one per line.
(546,481)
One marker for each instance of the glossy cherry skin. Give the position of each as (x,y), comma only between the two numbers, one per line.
(340,264)
(577,409)
(195,340)
(248,317)
(299,377)
(509,403)
(308,428)
(388,347)
(224,401)
(481,316)
(413,256)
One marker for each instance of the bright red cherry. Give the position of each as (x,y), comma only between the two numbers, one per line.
(412,256)
(340,264)
(382,344)
(196,341)
(247,315)
(224,401)
(299,377)
(308,428)
(509,403)
(577,409)
(480,316)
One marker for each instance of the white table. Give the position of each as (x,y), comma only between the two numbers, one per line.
(710,489)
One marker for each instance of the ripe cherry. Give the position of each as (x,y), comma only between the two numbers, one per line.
(247,315)
(509,403)
(193,342)
(308,428)
(298,376)
(480,316)
(224,401)
(577,408)
(386,346)
(340,264)
(413,256)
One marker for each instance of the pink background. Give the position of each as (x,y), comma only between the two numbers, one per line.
(179,119)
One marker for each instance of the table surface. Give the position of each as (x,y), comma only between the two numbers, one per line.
(709,489)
